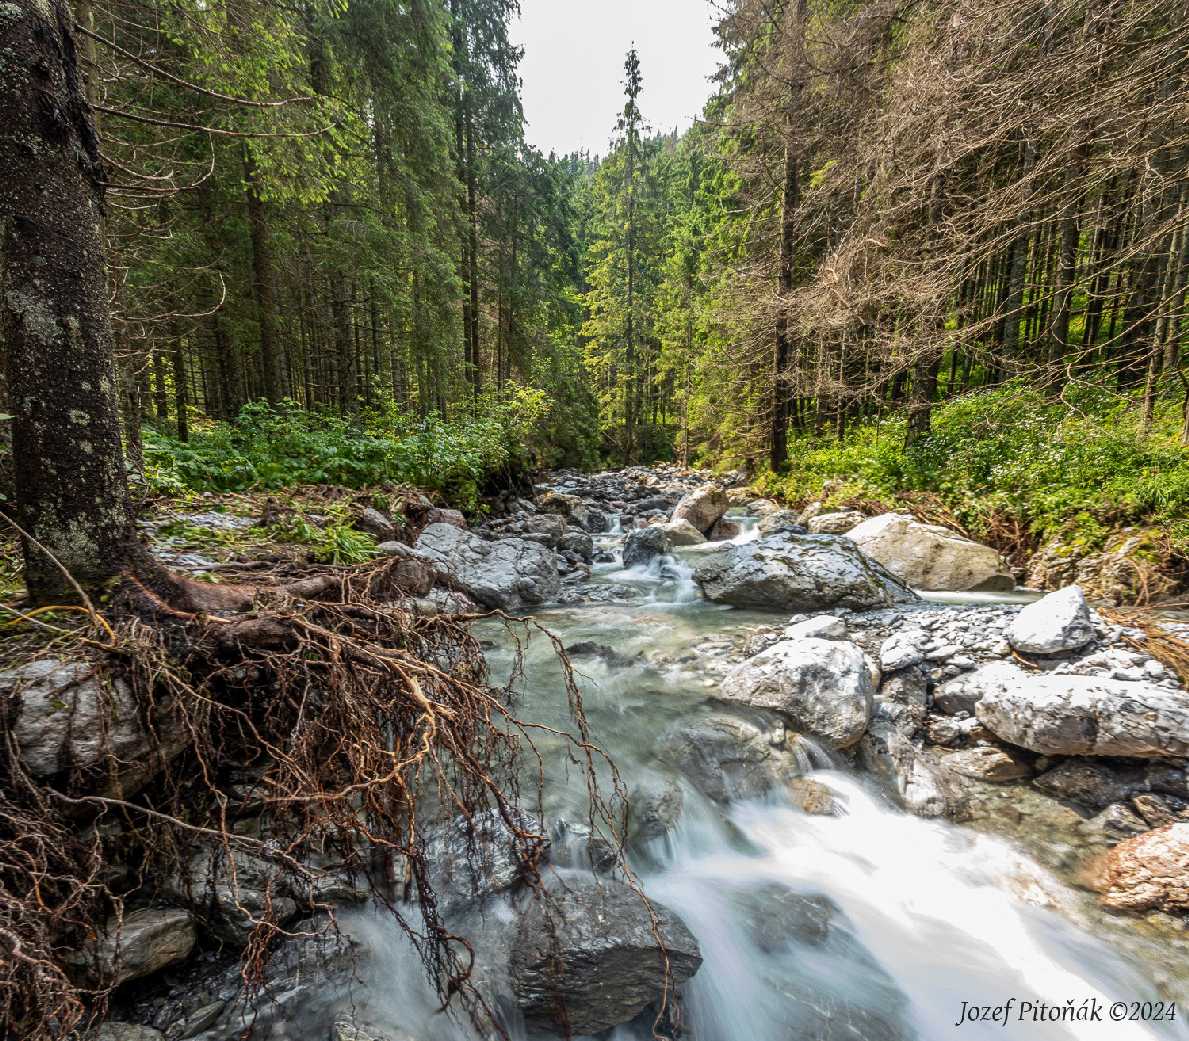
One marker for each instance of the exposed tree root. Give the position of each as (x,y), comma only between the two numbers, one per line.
(339,722)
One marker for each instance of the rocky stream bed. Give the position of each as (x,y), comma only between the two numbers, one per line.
(853,805)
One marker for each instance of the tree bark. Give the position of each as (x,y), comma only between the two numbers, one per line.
(71,486)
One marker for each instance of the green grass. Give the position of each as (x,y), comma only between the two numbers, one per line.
(1078,468)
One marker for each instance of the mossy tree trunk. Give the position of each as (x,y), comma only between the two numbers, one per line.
(71,487)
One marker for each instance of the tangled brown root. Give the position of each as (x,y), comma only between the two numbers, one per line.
(341,722)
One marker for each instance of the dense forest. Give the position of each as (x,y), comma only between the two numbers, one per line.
(329,216)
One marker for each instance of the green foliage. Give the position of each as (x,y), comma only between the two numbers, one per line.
(285,446)
(1080,467)
(335,542)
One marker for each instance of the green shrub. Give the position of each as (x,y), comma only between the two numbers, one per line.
(284,446)
(1080,466)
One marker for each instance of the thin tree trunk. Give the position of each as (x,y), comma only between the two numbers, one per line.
(263,282)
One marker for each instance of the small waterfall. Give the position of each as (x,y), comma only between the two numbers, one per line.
(877,925)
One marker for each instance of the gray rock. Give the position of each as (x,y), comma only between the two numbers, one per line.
(682,533)
(372,522)
(786,572)
(587,959)
(349,1030)
(907,686)
(437,515)
(836,523)
(822,687)
(229,893)
(1054,624)
(67,716)
(645,544)
(1114,824)
(957,695)
(821,627)
(724,530)
(145,942)
(589,519)
(551,527)
(1080,715)
(782,917)
(786,522)
(702,507)
(470,862)
(988,763)
(579,543)
(124,1032)
(509,574)
(654,808)
(903,649)
(1092,784)
(890,751)
(309,984)
(928,556)
(727,757)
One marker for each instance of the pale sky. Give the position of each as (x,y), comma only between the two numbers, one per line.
(573,66)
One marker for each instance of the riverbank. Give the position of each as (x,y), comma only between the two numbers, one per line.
(1080,489)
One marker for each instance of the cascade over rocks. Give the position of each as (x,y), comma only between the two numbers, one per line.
(928,556)
(789,572)
(643,545)
(822,687)
(509,574)
(590,960)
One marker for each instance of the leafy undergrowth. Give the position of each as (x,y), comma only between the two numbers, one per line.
(284,446)
(1010,465)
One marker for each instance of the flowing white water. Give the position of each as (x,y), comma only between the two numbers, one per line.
(928,916)
(868,925)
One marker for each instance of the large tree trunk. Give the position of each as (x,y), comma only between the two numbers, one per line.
(71,487)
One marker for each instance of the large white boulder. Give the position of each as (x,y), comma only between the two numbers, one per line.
(508,574)
(928,556)
(703,507)
(789,572)
(822,687)
(1058,714)
(1054,624)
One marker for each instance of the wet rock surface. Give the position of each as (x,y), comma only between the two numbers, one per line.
(787,572)
(587,957)
(509,574)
